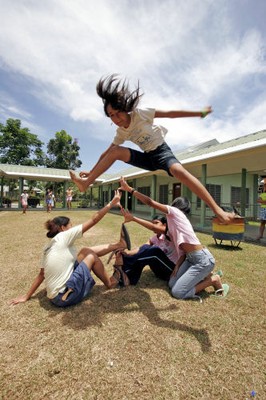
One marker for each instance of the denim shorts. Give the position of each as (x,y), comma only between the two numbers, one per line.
(160,158)
(196,267)
(81,281)
(263,214)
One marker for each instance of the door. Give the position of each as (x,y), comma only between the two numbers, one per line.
(176,190)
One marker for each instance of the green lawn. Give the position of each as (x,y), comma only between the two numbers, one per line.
(134,343)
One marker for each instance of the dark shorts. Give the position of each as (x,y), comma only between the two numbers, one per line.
(80,281)
(160,158)
(149,255)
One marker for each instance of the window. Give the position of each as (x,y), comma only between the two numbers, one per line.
(215,192)
(163,194)
(144,190)
(236,196)
(105,196)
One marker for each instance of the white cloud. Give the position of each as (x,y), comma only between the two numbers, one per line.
(186,56)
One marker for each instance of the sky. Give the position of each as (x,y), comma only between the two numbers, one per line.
(185,55)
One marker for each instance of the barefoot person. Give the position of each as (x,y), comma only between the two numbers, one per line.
(137,125)
(69,197)
(193,271)
(67,274)
(24,201)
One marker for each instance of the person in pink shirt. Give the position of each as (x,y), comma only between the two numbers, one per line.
(193,271)
(159,253)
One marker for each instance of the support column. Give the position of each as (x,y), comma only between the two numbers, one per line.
(91,197)
(153,193)
(100,205)
(110,189)
(21,182)
(243,192)
(126,194)
(202,203)
(255,196)
(133,199)
(64,195)
(2,191)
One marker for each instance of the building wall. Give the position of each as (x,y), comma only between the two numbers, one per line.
(226,183)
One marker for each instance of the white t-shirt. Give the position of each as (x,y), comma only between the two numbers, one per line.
(58,260)
(24,198)
(179,228)
(141,130)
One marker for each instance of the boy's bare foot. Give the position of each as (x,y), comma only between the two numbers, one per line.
(82,184)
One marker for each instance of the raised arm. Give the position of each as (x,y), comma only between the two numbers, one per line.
(35,284)
(101,213)
(144,199)
(147,224)
(182,114)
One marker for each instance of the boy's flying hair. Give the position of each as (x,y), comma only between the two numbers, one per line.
(115,92)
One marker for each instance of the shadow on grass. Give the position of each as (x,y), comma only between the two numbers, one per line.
(101,302)
(226,247)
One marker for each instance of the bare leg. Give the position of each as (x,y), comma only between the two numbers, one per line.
(261,230)
(196,187)
(210,280)
(95,264)
(103,249)
(114,154)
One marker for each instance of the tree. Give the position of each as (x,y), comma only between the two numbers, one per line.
(19,146)
(63,152)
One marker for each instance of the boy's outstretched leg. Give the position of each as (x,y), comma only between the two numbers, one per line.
(81,183)
(113,154)
(196,187)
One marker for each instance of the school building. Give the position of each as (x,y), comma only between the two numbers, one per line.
(231,172)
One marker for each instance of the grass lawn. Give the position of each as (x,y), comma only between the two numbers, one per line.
(134,343)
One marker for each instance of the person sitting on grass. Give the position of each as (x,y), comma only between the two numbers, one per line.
(137,125)
(159,253)
(67,274)
(193,271)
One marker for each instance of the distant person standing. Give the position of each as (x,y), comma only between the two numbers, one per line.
(49,196)
(262,202)
(24,201)
(69,196)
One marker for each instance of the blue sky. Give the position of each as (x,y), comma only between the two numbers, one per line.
(185,54)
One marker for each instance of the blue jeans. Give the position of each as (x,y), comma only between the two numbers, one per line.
(197,265)
(153,256)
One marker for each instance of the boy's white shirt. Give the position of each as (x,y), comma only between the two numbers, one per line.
(141,130)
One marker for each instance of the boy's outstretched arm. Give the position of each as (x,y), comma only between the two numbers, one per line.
(182,114)
(35,284)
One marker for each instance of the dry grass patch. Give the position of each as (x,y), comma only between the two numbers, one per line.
(135,343)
